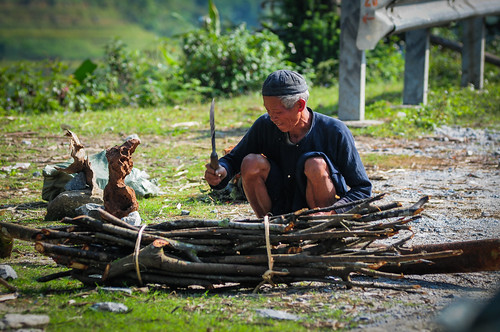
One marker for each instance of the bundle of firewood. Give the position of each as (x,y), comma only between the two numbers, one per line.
(308,245)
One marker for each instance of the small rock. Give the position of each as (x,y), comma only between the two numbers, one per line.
(132,136)
(78,182)
(277,314)
(66,203)
(90,209)
(7,272)
(133,218)
(18,321)
(117,290)
(110,306)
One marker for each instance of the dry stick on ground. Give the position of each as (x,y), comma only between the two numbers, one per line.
(54,276)
(7,285)
(18,231)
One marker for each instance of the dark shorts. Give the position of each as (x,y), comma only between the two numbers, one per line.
(290,195)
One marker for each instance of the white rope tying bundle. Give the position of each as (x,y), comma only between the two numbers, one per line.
(136,254)
(268,275)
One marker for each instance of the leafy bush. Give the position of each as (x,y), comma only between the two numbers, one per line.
(33,88)
(132,78)
(236,62)
(385,63)
(310,29)
(124,78)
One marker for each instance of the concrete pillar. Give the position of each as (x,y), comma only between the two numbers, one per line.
(416,77)
(352,65)
(473,52)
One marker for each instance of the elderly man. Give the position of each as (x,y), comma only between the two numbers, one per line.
(293,158)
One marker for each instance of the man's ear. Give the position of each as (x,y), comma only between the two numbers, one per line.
(302,104)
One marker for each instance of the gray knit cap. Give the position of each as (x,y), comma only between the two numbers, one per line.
(284,83)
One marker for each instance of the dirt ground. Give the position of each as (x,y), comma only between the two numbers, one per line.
(460,169)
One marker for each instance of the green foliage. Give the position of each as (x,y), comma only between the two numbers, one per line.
(33,88)
(213,24)
(310,29)
(385,63)
(445,106)
(123,78)
(235,62)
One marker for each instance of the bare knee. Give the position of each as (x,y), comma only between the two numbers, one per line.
(254,165)
(316,167)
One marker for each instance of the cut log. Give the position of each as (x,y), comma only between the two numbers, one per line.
(19,232)
(477,256)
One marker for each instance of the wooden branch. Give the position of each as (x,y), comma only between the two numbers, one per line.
(401,212)
(7,285)
(47,233)
(186,224)
(153,256)
(132,234)
(19,232)
(115,221)
(54,276)
(45,248)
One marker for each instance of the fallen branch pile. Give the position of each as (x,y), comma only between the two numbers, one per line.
(309,245)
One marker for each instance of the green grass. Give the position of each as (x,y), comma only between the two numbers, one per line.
(175,147)
(69,305)
(63,32)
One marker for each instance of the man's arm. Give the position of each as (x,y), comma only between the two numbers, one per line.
(351,168)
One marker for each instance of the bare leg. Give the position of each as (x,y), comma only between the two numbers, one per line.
(254,171)
(320,191)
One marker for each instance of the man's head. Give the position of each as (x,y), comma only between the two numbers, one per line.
(284,83)
(287,85)
(285,96)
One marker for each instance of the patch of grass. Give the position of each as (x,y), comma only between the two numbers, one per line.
(69,307)
(72,32)
(386,162)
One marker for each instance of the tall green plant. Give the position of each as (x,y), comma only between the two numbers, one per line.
(28,87)
(234,62)
(310,29)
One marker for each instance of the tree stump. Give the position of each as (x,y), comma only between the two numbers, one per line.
(119,199)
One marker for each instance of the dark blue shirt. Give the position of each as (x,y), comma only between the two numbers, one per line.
(327,137)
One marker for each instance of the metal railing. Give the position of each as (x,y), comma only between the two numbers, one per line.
(379,18)
(365,22)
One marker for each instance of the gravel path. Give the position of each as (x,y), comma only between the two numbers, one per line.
(464,205)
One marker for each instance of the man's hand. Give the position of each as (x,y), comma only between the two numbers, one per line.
(215,176)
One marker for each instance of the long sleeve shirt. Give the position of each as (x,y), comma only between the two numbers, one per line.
(328,136)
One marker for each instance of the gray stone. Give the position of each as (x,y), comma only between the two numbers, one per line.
(78,182)
(7,272)
(90,209)
(125,290)
(18,321)
(133,218)
(66,203)
(277,314)
(132,136)
(110,306)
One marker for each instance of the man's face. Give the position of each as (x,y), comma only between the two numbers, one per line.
(283,118)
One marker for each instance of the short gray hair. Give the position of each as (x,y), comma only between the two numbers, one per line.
(289,101)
